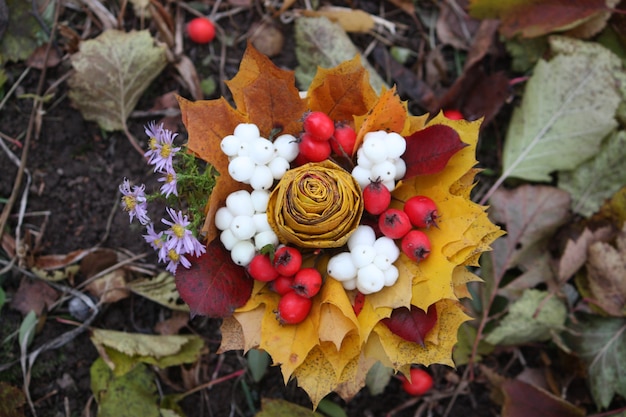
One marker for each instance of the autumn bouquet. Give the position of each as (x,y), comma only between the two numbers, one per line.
(339,230)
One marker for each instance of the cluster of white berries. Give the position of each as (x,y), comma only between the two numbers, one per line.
(256,160)
(379,158)
(244,225)
(368,266)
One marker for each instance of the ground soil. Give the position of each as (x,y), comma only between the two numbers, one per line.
(76,168)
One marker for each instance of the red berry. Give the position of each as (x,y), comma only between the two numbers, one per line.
(376,198)
(359,302)
(343,140)
(422,211)
(313,150)
(394,223)
(261,268)
(453,114)
(287,260)
(421,382)
(293,308)
(416,245)
(283,284)
(307,282)
(318,125)
(201,30)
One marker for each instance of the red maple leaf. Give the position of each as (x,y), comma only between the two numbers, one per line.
(213,286)
(412,325)
(429,150)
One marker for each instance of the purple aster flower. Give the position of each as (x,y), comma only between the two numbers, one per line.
(169,186)
(134,201)
(156,240)
(164,151)
(173,258)
(180,237)
(154,133)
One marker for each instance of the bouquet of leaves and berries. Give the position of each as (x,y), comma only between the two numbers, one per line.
(338,232)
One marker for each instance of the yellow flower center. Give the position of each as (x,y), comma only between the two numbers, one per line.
(169,178)
(178,230)
(153,143)
(166,150)
(173,255)
(130,202)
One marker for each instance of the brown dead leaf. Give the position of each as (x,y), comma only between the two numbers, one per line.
(606,275)
(523,400)
(109,288)
(454,27)
(575,252)
(172,325)
(34,295)
(39,60)
(266,38)
(189,75)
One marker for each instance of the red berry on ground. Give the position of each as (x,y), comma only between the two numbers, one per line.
(287,260)
(376,198)
(293,308)
(283,284)
(201,30)
(453,114)
(343,140)
(318,125)
(307,282)
(421,382)
(416,245)
(261,268)
(422,211)
(394,223)
(313,150)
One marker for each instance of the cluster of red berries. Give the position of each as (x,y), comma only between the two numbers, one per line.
(419,211)
(296,285)
(322,137)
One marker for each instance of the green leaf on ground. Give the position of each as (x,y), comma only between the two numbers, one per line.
(27,329)
(122,351)
(112,72)
(532,318)
(377,378)
(601,344)
(23,33)
(320,42)
(160,289)
(568,107)
(597,179)
(12,400)
(131,395)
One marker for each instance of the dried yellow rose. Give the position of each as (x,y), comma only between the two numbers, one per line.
(317,205)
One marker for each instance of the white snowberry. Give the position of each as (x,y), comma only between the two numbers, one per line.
(400,168)
(370,279)
(382,262)
(243,227)
(396,145)
(262,178)
(240,203)
(241,168)
(391,276)
(362,175)
(230,145)
(278,166)
(341,267)
(243,252)
(384,171)
(261,151)
(287,147)
(260,198)
(362,160)
(362,255)
(267,237)
(228,239)
(374,148)
(247,131)
(260,222)
(349,285)
(223,218)
(363,235)
(386,246)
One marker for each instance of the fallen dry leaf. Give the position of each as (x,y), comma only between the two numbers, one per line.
(34,295)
